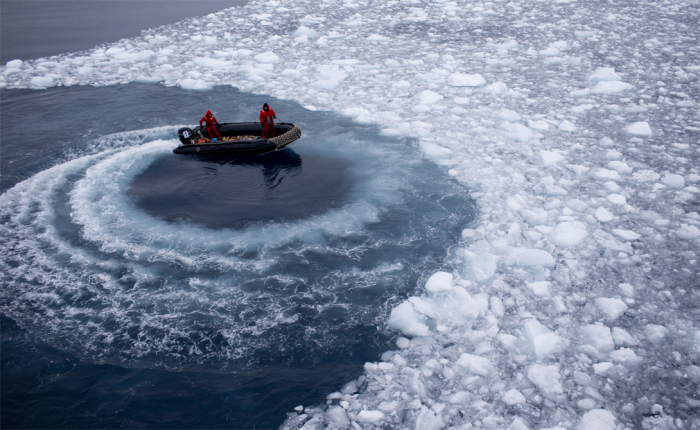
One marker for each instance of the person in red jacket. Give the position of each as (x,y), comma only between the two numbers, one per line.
(267,120)
(211,128)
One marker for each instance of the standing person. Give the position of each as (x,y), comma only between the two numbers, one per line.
(267,117)
(211,128)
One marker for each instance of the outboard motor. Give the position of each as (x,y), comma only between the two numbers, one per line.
(186,135)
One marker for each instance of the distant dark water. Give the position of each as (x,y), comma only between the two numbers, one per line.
(199,292)
(41,28)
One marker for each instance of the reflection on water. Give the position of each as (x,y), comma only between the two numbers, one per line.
(237,192)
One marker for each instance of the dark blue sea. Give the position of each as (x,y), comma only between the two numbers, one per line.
(145,289)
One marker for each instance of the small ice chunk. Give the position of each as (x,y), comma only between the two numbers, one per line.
(626,289)
(266,57)
(428,97)
(624,356)
(399,360)
(512,397)
(602,368)
(465,80)
(546,378)
(626,234)
(606,174)
(439,282)
(622,338)
(568,234)
(535,217)
(620,166)
(483,266)
(608,240)
(538,125)
(603,215)
(407,320)
(597,419)
(598,336)
(604,74)
(518,424)
(402,343)
(475,364)
(567,126)
(645,176)
(338,416)
(370,416)
(586,403)
(14,64)
(517,132)
(531,257)
(655,333)
(550,158)
(436,152)
(688,232)
(612,308)
(539,288)
(497,308)
(617,199)
(673,181)
(496,88)
(639,129)
(509,115)
(610,87)
(542,340)
(427,420)
(550,51)
(460,398)
(350,387)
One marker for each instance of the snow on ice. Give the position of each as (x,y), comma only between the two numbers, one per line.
(573,302)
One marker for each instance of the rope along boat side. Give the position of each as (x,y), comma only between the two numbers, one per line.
(241,138)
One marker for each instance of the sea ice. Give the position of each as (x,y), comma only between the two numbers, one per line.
(531,257)
(655,333)
(617,199)
(465,80)
(639,129)
(603,215)
(543,341)
(405,319)
(611,307)
(597,419)
(673,181)
(513,397)
(567,234)
(611,87)
(598,336)
(439,282)
(604,74)
(546,378)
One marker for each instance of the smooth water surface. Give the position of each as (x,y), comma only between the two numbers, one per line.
(41,28)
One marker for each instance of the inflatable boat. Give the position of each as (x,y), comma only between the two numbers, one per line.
(240,138)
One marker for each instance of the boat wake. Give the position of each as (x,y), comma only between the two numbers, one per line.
(87,269)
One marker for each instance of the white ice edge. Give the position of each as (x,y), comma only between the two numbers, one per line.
(560,201)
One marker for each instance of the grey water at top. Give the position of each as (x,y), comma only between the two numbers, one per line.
(132,267)
(42,28)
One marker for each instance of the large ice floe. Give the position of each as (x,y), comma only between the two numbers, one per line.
(573,302)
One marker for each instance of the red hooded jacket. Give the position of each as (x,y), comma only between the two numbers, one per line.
(264,115)
(209,119)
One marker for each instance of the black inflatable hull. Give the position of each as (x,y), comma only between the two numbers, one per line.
(254,144)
